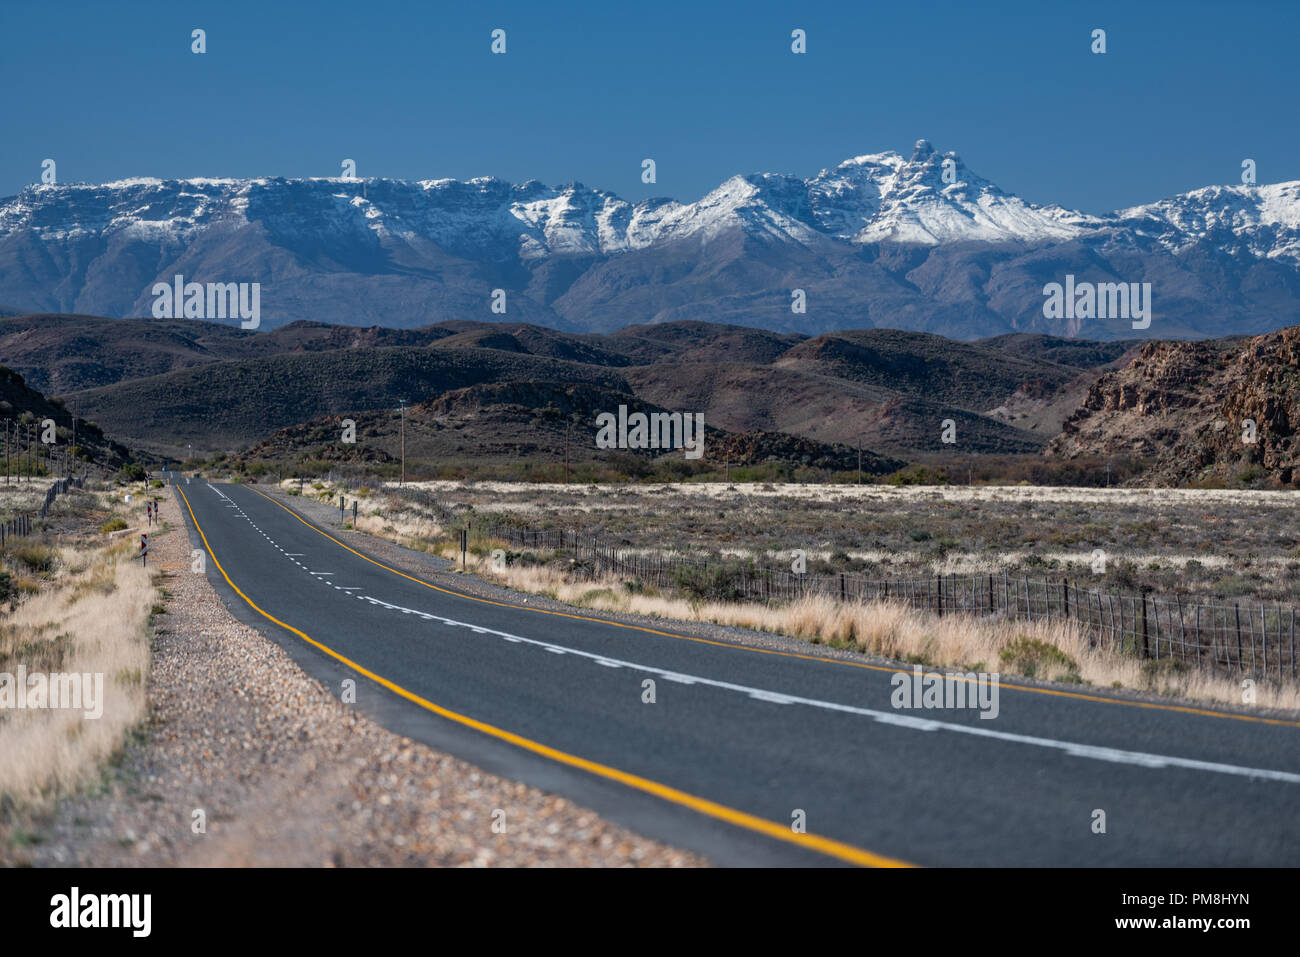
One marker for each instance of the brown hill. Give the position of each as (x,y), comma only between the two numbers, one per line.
(21,406)
(62,354)
(1078,354)
(822,407)
(166,385)
(512,421)
(230,405)
(695,342)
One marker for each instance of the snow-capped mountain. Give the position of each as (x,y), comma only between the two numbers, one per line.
(918,242)
(882,198)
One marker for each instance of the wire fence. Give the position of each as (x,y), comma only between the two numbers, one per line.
(19,524)
(1251,639)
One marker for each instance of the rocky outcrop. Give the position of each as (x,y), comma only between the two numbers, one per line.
(1222,411)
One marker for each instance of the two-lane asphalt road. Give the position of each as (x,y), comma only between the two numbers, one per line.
(740,745)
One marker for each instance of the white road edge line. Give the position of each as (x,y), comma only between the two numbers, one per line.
(1095,752)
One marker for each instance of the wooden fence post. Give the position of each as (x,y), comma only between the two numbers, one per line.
(1241,663)
(1182,630)
(1146,646)
(1292,642)
(1155,613)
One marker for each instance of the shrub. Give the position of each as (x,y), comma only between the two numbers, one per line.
(39,559)
(591,596)
(115,524)
(1124,574)
(1034,658)
(712,583)
(1154,670)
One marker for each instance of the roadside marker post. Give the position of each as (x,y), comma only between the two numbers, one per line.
(354,514)
(144,549)
(464,541)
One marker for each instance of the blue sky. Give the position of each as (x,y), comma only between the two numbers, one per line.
(587,90)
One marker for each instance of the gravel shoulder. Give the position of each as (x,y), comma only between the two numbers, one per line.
(286,775)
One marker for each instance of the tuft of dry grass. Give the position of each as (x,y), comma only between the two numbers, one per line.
(93,619)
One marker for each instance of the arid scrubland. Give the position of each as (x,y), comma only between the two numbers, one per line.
(1006,526)
(75,612)
(1219,545)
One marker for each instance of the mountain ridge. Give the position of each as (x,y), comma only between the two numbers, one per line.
(920,243)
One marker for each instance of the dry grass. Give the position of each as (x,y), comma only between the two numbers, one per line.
(1054,651)
(1148,498)
(1206,546)
(92,619)
(409,527)
(405,527)
(23,496)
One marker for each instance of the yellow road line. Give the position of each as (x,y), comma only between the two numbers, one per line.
(1100,699)
(781,832)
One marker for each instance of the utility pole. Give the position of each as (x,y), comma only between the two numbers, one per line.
(401,408)
(567,426)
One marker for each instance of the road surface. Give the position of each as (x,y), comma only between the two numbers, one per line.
(753,756)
